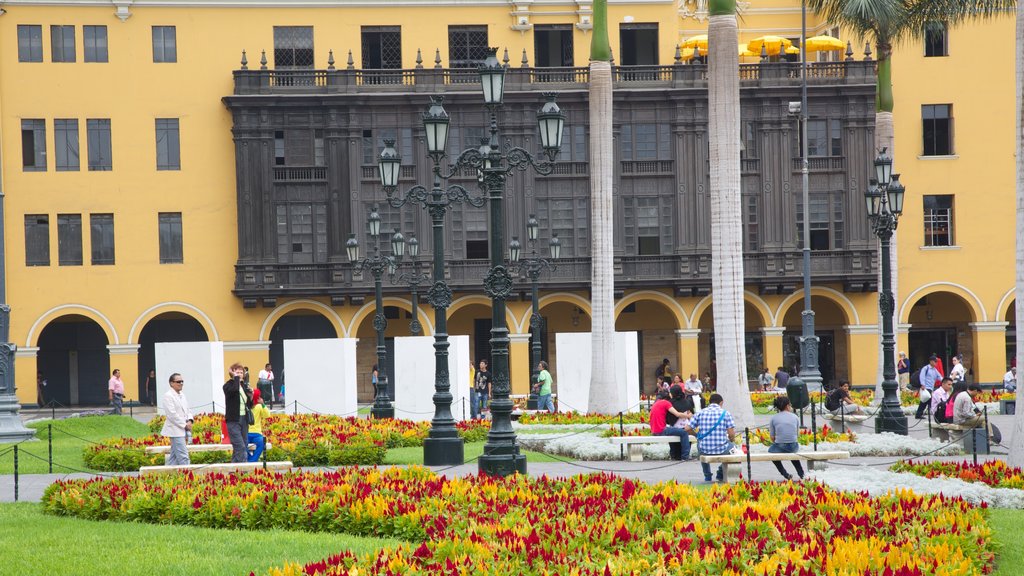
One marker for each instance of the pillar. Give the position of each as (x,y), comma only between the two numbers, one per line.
(989,361)
(864,354)
(687,351)
(773,349)
(519,363)
(125,357)
(25,368)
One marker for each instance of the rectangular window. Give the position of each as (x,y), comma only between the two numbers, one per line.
(938,129)
(293,46)
(170,238)
(168,146)
(302,233)
(826,233)
(938,220)
(94,38)
(33,145)
(936,39)
(749,137)
(319,156)
(279,159)
(372,147)
(62,43)
(30,44)
(646,142)
(752,222)
(824,138)
(382,47)
(69,239)
(37,240)
(98,130)
(475,222)
(553,47)
(165,44)
(467,46)
(101,238)
(639,44)
(65,144)
(647,230)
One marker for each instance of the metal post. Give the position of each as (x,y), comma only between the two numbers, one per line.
(814,427)
(295,407)
(264,455)
(382,407)
(49,442)
(750,469)
(622,432)
(974,445)
(501,452)
(988,440)
(53,410)
(15,472)
(535,347)
(131,409)
(890,416)
(929,421)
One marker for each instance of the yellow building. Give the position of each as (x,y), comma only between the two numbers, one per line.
(122,192)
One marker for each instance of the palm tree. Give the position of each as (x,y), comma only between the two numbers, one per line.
(605,394)
(886,23)
(1017,437)
(726,219)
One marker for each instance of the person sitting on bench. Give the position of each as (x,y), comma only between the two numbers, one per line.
(839,401)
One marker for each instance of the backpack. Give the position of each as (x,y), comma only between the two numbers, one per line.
(915,380)
(940,412)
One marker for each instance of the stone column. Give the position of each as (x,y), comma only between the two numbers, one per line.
(687,352)
(863,354)
(773,348)
(519,363)
(26,364)
(125,357)
(989,361)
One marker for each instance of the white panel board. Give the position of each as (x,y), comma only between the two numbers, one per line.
(572,381)
(321,376)
(414,377)
(201,365)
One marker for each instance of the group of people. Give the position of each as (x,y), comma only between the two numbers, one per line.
(244,414)
(773,383)
(665,378)
(480,395)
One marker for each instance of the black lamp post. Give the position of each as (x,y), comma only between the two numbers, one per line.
(884,199)
(413,278)
(377,265)
(532,266)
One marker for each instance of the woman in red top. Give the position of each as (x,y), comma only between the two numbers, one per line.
(659,412)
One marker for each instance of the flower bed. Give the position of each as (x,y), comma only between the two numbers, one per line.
(588,525)
(304,439)
(806,436)
(562,418)
(873,481)
(995,473)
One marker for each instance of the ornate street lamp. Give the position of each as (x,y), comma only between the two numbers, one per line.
(533,266)
(884,203)
(377,264)
(413,279)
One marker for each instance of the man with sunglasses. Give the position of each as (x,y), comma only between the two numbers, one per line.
(178,425)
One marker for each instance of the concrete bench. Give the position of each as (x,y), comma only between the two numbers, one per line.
(199,448)
(222,468)
(635,444)
(970,435)
(731,472)
(844,422)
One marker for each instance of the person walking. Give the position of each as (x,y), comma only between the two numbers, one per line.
(115,391)
(41,385)
(781,378)
(784,430)
(150,388)
(265,383)
(178,422)
(255,435)
(716,431)
(481,390)
(928,378)
(544,382)
(237,404)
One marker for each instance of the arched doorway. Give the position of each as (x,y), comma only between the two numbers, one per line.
(830,323)
(166,327)
(473,320)
(73,358)
(940,325)
(558,316)
(399,320)
(753,321)
(656,327)
(295,325)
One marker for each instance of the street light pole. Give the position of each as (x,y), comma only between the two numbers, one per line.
(413,278)
(884,199)
(377,265)
(533,266)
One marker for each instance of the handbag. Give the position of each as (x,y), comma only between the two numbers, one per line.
(249,417)
(925,395)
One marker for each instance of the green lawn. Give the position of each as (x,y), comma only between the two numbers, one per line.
(1006,526)
(57,546)
(67,449)
(472,450)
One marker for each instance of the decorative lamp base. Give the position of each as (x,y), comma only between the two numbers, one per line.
(531,401)
(502,464)
(891,421)
(11,428)
(443,452)
(380,412)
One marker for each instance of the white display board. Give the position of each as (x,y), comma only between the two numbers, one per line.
(572,381)
(201,365)
(321,376)
(414,377)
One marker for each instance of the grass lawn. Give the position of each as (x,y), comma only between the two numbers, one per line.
(67,449)
(1006,526)
(59,546)
(472,450)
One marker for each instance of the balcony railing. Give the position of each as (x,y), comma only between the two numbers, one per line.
(300,174)
(281,81)
(821,164)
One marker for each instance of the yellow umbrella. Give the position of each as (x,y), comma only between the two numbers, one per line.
(744,52)
(792,50)
(824,43)
(772,44)
(699,41)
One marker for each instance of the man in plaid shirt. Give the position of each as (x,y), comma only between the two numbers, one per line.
(715,433)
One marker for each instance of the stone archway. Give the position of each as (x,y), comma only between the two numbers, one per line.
(74,361)
(754,322)
(940,324)
(656,325)
(399,317)
(296,324)
(558,316)
(165,327)
(830,322)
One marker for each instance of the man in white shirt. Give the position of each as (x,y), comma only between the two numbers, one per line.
(1010,379)
(693,388)
(265,384)
(178,423)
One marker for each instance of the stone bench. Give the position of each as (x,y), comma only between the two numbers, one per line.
(215,468)
(731,472)
(843,423)
(970,435)
(635,444)
(199,448)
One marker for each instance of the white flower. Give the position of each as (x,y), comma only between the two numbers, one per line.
(876,482)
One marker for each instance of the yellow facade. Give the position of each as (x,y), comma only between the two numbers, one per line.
(968,287)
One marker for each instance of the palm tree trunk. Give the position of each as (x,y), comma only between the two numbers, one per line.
(1016,457)
(726,219)
(607,395)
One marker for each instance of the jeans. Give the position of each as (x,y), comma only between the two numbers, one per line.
(706,468)
(544,402)
(238,433)
(260,443)
(787,448)
(116,402)
(926,405)
(179,453)
(684,443)
(474,405)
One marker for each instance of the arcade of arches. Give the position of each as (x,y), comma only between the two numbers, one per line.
(74,352)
